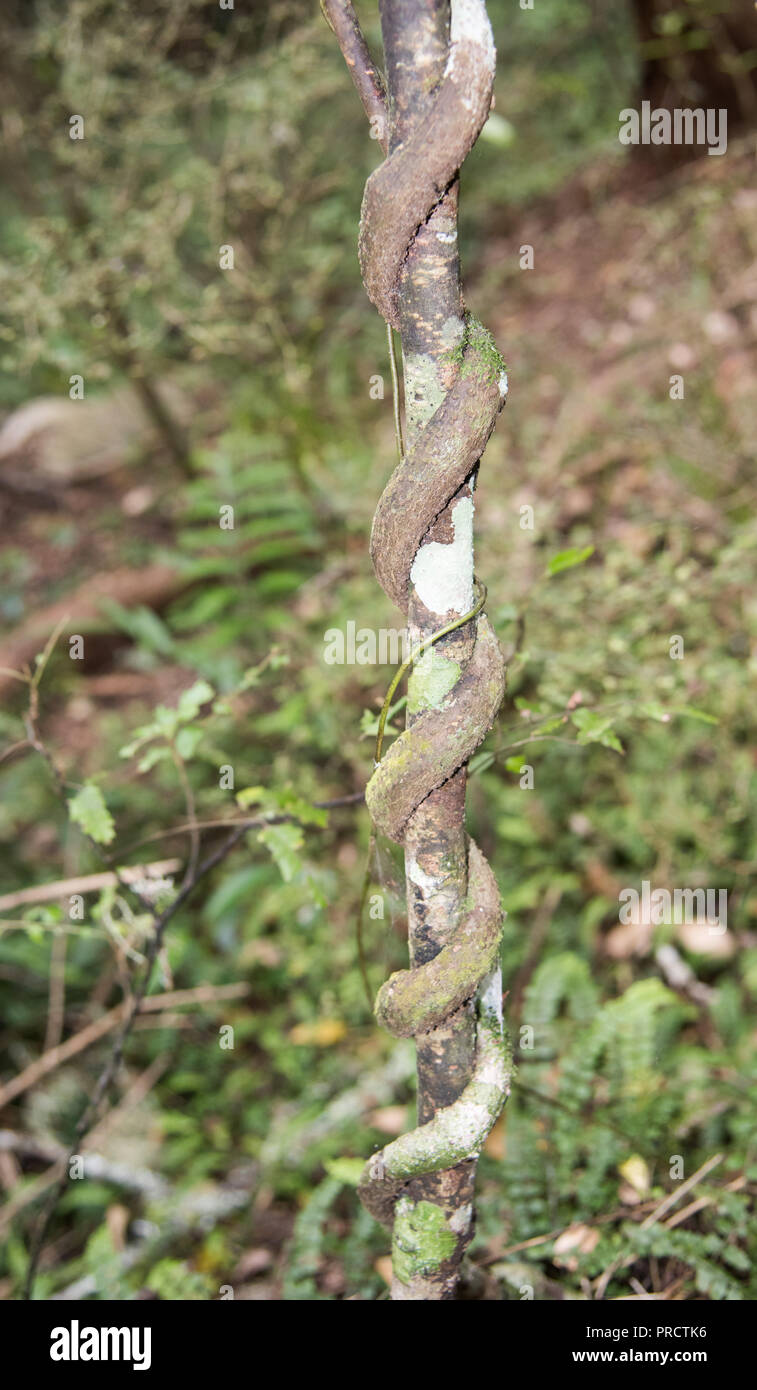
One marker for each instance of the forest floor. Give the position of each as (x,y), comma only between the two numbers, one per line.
(638,288)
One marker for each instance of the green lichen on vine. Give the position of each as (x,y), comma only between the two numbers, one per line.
(478,355)
(411,1002)
(424,392)
(421,1240)
(432,679)
(459,1131)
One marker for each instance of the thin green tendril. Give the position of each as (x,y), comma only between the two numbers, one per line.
(417,652)
(413,657)
(395,394)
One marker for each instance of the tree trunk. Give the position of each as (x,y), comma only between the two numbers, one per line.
(439,72)
(416,40)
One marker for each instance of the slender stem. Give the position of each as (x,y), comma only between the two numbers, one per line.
(361,955)
(416,40)
(398,675)
(342,20)
(416,653)
(395,394)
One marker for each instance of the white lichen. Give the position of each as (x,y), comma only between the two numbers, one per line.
(460,1220)
(490,995)
(469,24)
(426,882)
(452,332)
(424,392)
(443,574)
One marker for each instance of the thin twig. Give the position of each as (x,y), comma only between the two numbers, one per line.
(79,1042)
(189,802)
(342,20)
(679,1192)
(654,1216)
(86,883)
(251,823)
(96,1166)
(127,1012)
(56,998)
(132,1096)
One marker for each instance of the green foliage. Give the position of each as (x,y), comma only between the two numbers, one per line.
(87,809)
(201,135)
(603,1099)
(567,559)
(173,1280)
(310,1234)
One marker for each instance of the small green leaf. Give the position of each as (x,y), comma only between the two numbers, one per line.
(652,710)
(141,624)
(549,725)
(157,754)
(369,719)
(249,796)
(480,762)
(192,700)
(596,728)
(303,810)
(568,559)
(528,706)
(346,1170)
(284,841)
(498,130)
(87,809)
(697,714)
(188,740)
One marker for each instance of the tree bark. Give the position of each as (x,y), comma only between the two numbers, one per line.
(439,72)
(416,41)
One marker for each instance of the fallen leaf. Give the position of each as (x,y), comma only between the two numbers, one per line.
(324,1032)
(635,1170)
(389,1119)
(706,940)
(575,1241)
(253,1262)
(628,1195)
(632,940)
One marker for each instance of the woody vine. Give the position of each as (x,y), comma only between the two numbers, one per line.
(427,112)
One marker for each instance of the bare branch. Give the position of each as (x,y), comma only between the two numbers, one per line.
(56,1056)
(341,18)
(86,883)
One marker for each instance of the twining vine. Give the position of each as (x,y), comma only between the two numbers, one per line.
(399,198)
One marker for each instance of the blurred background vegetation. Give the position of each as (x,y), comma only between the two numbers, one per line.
(250,386)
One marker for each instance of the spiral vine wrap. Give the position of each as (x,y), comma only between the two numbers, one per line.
(399,198)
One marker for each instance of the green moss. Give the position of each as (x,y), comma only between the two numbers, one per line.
(421,1240)
(406,1005)
(477,354)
